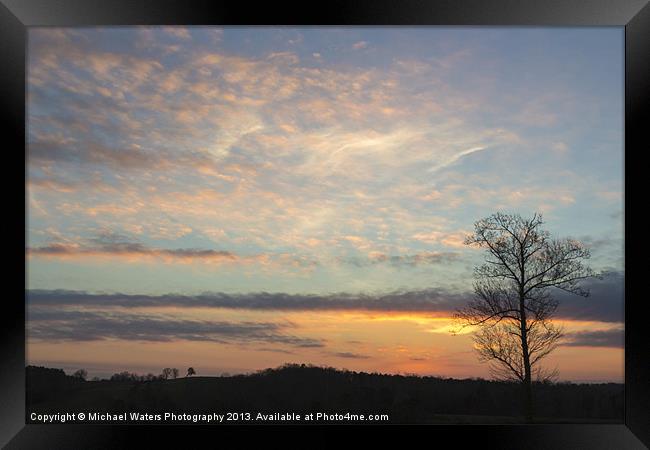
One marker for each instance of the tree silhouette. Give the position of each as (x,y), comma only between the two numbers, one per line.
(81,374)
(166,373)
(513,305)
(190,372)
(174,373)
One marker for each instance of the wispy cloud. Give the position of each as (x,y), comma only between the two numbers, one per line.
(131,249)
(424,258)
(119,246)
(452,159)
(90,152)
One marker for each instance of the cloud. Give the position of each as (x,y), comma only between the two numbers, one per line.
(417,259)
(178,32)
(453,239)
(560,147)
(275,350)
(45,324)
(265,151)
(433,300)
(130,250)
(89,153)
(51,185)
(349,355)
(284,57)
(111,245)
(605,303)
(597,338)
(455,157)
(602,243)
(360,45)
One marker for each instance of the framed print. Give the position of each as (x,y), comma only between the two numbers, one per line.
(409,216)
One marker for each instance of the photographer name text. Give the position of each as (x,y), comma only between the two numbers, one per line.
(205,418)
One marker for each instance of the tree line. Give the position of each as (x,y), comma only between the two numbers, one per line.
(305,388)
(166,374)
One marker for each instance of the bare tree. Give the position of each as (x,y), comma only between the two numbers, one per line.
(174,373)
(190,372)
(513,305)
(81,374)
(166,373)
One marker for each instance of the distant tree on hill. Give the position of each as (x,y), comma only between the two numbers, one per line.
(81,374)
(174,373)
(166,373)
(190,372)
(125,376)
(513,304)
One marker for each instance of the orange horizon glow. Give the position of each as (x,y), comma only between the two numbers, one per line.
(392,342)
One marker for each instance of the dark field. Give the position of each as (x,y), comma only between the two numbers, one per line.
(308,389)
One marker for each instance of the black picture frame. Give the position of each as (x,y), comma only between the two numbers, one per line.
(17,15)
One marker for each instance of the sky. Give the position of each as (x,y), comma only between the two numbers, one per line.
(237,198)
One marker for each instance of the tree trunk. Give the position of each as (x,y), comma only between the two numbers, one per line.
(527,384)
(528,399)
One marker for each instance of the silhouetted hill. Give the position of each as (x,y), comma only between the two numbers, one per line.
(44,383)
(304,389)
